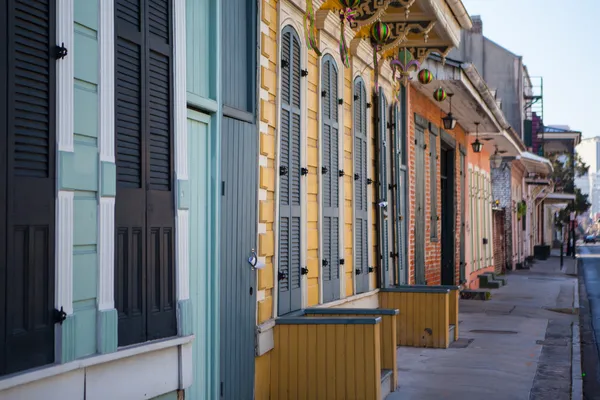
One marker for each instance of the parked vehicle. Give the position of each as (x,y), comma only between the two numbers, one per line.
(590,239)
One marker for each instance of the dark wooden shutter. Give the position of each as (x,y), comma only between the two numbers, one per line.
(290,293)
(360,187)
(27,184)
(330,151)
(384,252)
(420,127)
(145,220)
(433,178)
(400,201)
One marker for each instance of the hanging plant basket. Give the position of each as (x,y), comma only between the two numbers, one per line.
(521,209)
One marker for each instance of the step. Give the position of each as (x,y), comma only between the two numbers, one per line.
(475,294)
(387,383)
(451,332)
(487,281)
(502,279)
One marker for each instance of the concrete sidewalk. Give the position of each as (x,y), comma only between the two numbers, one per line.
(518,345)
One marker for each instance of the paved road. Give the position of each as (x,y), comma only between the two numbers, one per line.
(589,256)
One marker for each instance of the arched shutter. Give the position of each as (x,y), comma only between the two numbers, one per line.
(330,187)
(27,183)
(383,189)
(360,187)
(290,246)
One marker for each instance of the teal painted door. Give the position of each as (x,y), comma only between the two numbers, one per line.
(290,211)
(330,178)
(361,208)
(204,275)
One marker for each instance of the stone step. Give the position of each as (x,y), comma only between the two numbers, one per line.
(387,383)
(487,281)
(475,294)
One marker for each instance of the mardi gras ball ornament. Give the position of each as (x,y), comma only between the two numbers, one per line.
(380,32)
(350,3)
(425,76)
(439,95)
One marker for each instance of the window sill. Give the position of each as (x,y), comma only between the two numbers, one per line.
(49,371)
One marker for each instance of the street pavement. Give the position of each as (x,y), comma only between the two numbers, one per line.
(518,345)
(589,266)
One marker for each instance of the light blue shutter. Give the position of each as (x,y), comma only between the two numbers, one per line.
(360,187)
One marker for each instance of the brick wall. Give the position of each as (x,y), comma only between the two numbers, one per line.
(499,241)
(429,109)
(502,190)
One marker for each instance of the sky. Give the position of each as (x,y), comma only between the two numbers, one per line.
(559,42)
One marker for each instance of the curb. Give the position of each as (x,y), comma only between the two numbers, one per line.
(576,377)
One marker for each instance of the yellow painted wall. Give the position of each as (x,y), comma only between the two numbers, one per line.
(309,362)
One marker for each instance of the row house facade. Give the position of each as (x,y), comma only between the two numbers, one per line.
(121,144)
(185,214)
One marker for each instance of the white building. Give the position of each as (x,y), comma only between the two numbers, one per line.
(589,151)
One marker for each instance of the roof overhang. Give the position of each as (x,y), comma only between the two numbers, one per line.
(559,197)
(421,26)
(535,164)
(472,102)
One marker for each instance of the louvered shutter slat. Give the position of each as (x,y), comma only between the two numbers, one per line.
(159,110)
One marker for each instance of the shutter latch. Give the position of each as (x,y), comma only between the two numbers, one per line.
(61,51)
(358,271)
(303,171)
(356,177)
(371,269)
(324,170)
(369,181)
(325,263)
(340,101)
(59,316)
(303,271)
(303,72)
(342,261)
(282,275)
(341,173)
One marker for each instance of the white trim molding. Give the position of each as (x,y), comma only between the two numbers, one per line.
(183,255)
(106,90)
(65,33)
(182,232)
(106,254)
(64,251)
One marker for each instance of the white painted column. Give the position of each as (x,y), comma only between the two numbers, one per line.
(64,135)
(182,257)
(106,143)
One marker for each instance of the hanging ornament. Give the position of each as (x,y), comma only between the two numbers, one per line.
(425,76)
(310,28)
(380,33)
(346,14)
(405,63)
(439,94)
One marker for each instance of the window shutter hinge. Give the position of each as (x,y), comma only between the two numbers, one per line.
(341,173)
(368,105)
(303,271)
(371,269)
(59,316)
(285,63)
(340,101)
(358,271)
(303,171)
(323,93)
(342,261)
(369,181)
(355,97)
(61,51)
(303,72)
(356,177)
(324,170)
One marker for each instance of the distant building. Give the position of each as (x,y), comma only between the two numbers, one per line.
(589,151)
